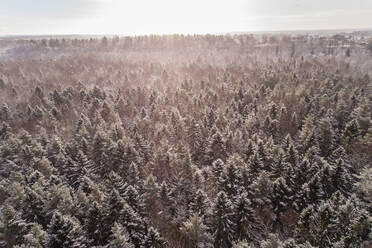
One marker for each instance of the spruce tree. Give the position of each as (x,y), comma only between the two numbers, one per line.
(134,224)
(255,165)
(153,239)
(119,237)
(244,218)
(12,226)
(281,198)
(197,232)
(305,224)
(200,204)
(36,237)
(340,179)
(63,231)
(221,222)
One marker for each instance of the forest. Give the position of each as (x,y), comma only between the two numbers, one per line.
(186,141)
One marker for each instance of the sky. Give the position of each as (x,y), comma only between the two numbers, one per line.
(136,17)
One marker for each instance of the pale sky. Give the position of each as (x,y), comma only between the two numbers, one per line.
(174,16)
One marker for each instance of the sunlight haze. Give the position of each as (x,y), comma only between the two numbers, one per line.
(169,16)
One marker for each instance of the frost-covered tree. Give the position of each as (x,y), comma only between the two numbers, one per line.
(63,231)
(119,237)
(244,219)
(197,232)
(222,226)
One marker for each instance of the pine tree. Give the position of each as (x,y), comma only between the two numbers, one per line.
(100,147)
(300,178)
(135,225)
(263,156)
(115,182)
(114,207)
(34,206)
(289,243)
(97,231)
(262,189)
(230,177)
(153,239)
(323,226)
(326,181)
(200,204)
(291,156)
(272,241)
(119,238)
(142,147)
(313,190)
(351,131)
(222,225)
(244,218)
(326,137)
(304,226)
(134,200)
(197,232)
(248,150)
(120,161)
(278,167)
(133,177)
(12,226)
(63,231)
(216,148)
(217,171)
(36,237)
(151,188)
(281,198)
(255,165)
(340,178)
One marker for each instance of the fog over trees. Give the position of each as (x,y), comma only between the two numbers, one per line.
(202,141)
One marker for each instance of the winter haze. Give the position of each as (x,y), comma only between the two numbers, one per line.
(168,16)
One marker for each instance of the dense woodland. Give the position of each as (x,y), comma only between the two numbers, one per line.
(186,141)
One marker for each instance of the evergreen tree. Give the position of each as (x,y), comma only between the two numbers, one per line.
(326,137)
(340,179)
(99,153)
(34,205)
(153,239)
(230,178)
(323,224)
(96,228)
(281,198)
(63,231)
(217,171)
(216,148)
(262,190)
(135,225)
(351,131)
(197,232)
(12,226)
(303,231)
(200,204)
(278,167)
(119,237)
(272,241)
(115,182)
(244,218)
(222,226)
(134,200)
(114,207)
(36,237)
(313,191)
(255,165)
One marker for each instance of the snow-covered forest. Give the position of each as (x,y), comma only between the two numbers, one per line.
(220,141)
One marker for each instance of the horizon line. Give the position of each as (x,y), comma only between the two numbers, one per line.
(191,34)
